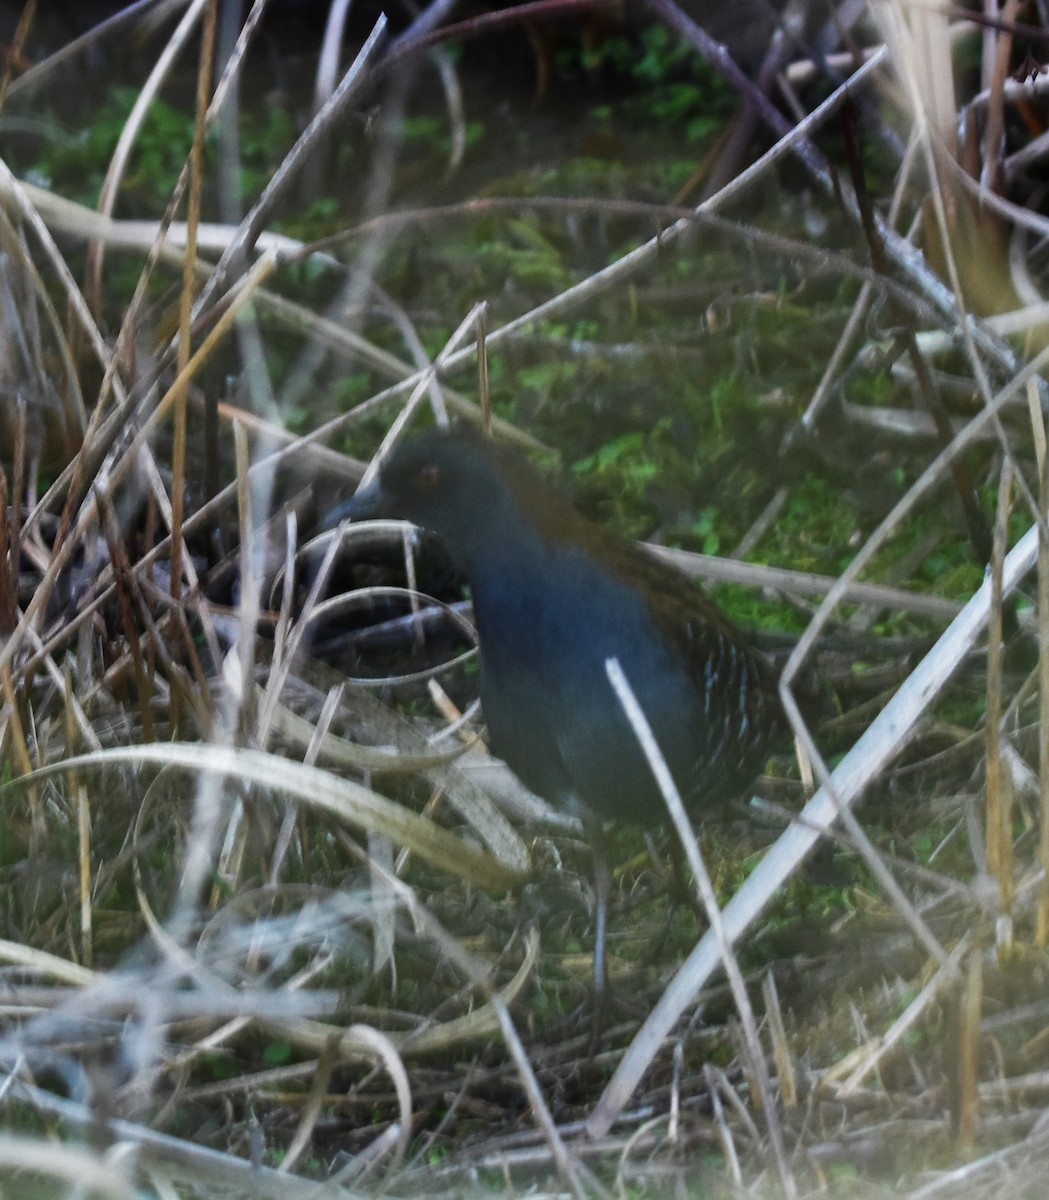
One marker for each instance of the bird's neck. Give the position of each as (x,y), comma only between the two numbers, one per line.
(508,570)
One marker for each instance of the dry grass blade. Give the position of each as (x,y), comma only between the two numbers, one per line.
(127,15)
(802,583)
(876,1050)
(253,224)
(33,344)
(9,555)
(78,1168)
(49,965)
(999,793)
(410,753)
(127,591)
(786,1075)
(970,1011)
(196,183)
(385,1053)
(342,752)
(118,163)
(181,1159)
(1042,458)
(316,788)
(714,1080)
(243,662)
(439,1038)
(83,807)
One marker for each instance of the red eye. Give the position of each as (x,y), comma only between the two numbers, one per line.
(429,476)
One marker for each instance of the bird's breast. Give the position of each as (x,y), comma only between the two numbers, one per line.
(549,706)
(564,615)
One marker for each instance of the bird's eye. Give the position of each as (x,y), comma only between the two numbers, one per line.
(429,476)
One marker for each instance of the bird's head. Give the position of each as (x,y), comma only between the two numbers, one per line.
(462,487)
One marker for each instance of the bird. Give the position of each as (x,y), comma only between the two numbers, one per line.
(555,596)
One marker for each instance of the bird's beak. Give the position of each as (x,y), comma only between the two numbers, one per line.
(369,502)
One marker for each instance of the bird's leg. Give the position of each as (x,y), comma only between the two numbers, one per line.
(602,892)
(679,892)
(682,892)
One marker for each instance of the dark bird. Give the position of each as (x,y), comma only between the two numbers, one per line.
(555,596)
